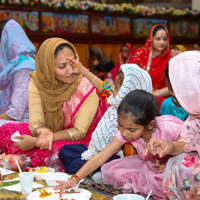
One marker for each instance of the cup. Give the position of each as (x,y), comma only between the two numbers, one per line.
(26,182)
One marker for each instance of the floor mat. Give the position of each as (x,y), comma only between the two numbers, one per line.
(102,189)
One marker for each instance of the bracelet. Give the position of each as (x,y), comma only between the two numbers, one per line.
(52,132)
(75,176)
(182,140)
(94,80)
(86,73)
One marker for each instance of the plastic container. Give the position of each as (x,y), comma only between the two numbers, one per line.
(38,175)
(128,197)
(51,178)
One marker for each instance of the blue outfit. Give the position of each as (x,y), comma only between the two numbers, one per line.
(70,155)
(169,108)
(16,54)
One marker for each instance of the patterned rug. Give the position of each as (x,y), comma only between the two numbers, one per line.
(102,189)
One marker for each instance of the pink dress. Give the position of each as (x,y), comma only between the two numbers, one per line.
(135,173)
(69,110)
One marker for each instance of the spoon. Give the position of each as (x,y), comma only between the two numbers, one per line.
(148,195)
(19,167)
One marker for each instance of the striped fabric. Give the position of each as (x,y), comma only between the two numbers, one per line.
(134,78)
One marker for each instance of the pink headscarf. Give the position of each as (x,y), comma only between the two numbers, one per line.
(184,73)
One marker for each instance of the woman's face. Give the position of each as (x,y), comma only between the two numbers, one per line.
(160,40)
(124,51)
(63,70)
(116,87)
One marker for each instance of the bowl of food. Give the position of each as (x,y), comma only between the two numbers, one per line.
(40,171)
(128,197)
(51,194)
(51,178)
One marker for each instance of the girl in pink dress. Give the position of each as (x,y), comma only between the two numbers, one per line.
(137,123)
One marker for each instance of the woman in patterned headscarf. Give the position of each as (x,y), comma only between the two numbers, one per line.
(16,63)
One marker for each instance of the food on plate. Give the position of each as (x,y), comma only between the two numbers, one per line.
(68,191)
(44,193)
(39,170)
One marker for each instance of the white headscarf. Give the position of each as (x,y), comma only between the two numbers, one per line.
(134,78)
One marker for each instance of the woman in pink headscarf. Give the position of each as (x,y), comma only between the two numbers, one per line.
(182,174)
(124,57)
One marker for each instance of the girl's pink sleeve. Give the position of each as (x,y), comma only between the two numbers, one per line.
(169,127)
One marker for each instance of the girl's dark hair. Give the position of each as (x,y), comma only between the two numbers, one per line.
(167,80)
(120,75)
(139,106)
(158,28)
(61,46)
(2,24)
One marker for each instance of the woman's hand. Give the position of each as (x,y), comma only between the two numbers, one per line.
(160,166)
(76,65)
(44,139)
(66,185)
(26,142)
(159,146)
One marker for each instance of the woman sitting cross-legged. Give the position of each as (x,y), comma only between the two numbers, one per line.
(64,107)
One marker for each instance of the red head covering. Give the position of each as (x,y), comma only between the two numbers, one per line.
(155,66)
(121,60)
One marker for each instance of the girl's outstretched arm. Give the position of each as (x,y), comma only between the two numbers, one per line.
(91,165)
(79,68)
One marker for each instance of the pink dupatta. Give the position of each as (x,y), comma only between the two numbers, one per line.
(184,73)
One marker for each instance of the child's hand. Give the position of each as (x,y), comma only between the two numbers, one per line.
(161,166)
(65,185)
(76,64)
(159,146)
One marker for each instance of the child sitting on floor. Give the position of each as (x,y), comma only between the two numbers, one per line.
(129,78)
(137,124)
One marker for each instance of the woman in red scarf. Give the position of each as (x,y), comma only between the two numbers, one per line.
(153,57)
(124,56)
